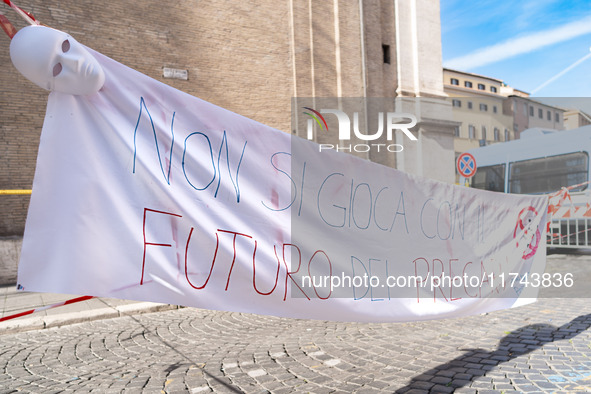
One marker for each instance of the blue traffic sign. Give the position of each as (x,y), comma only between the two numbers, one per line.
(466,165)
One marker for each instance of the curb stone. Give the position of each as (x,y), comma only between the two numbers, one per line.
(58,320)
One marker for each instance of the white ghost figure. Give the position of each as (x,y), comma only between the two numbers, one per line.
(55,61)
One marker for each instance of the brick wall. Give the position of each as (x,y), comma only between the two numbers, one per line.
(249,57)
(10,251)
(237,55)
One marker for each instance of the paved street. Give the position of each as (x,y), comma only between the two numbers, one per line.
(541,347)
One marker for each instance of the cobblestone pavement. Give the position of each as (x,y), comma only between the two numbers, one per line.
(543,347)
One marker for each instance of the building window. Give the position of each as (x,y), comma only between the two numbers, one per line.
(454,81)
(531,110)
(469,104)
(493,89)
(468,84)
(556,117)
(495,109)
(456,103)
(496,134)
(386,53)
(483,107)
(481,86)
(457,131)
(540,113)
(549,115)
(524,109)
(515,127)
(507,135)
(484,133)
(471,131)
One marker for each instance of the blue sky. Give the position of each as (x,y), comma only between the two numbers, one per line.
(524,43)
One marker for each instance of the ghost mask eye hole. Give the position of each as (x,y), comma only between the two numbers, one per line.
(57,69)
(65,46)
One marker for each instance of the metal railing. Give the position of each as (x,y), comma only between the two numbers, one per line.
(570,233)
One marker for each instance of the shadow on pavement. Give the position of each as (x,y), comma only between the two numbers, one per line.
(568,251)
(190,362)
(477,362)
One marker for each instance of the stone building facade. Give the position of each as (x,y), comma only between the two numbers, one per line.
(490,111)
(576,118)
(249,57)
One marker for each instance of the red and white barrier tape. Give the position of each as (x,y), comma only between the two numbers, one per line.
(558,236)
(27,16)
(44,308)
(558,198)
(558,208)
(8,28)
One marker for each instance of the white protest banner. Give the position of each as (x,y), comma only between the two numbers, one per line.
(144,192)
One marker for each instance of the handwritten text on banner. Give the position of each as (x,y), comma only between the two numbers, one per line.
(144,192)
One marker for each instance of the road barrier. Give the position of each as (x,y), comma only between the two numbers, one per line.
(569,218)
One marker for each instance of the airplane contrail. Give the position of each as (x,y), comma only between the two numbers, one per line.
(560,74)
(520,45)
